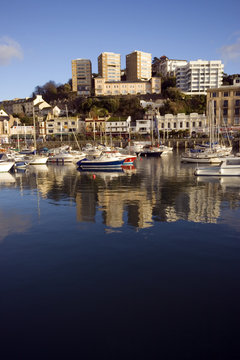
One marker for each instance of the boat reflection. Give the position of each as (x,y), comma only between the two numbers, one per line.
(6,178)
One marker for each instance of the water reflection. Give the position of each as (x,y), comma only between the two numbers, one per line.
(155,190)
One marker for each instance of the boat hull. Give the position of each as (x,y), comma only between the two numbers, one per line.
(150,154)
(6,166)
(93,164)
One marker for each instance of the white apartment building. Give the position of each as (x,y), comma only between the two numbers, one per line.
(196,77)
(167,67)
(109,66)
(193,122)
(117,126)
(82,76)
(139,66)
(22,131)
(143,127)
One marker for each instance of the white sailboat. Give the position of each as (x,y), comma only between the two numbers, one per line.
(212,153)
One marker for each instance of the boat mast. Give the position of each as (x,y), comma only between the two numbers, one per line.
(34,130)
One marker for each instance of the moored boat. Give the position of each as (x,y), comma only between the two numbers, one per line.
(6,166)
(102,162)
(230,166)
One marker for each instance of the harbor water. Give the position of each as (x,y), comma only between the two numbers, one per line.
(138,264)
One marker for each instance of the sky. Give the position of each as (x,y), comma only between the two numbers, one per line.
(38,40)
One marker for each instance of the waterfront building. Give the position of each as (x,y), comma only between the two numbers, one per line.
(82,76)
(166,66)
(195,123)
(61,126)
(96,125)
(139,66)
(103,87)
(143,127)
(196,77)
(22,131)
(224,102)
(118,125)
(109,66)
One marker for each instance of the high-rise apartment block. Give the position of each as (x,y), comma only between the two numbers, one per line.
(196,77)
(109,66)
(82,76)
(139,66)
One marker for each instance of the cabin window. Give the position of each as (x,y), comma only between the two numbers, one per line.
(233,162)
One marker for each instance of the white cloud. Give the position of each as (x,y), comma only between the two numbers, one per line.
(231,52)
(9,49)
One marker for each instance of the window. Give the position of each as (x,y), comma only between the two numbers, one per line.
(175,125)
(237,93)
(237,112)
(225,111)
(162,125)
(237,103)
(225,94)
(65,123)
(225,103)
(236,121)
(225,120)
(214,94)
(169,125)
(187,124)
(181,124)
(193,124)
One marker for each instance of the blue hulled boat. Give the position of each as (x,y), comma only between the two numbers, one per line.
(102,162)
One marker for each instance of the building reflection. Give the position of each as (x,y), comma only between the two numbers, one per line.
(160,190)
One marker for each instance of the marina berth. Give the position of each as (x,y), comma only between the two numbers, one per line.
(230,166)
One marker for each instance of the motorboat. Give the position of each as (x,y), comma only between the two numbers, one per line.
(230,166)
(105,161)
(37,160)
(62,157)
(6,166)
(149,151)
(128,158)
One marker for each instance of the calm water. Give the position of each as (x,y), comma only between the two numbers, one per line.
(143,264)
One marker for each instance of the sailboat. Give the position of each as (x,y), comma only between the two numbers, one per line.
(210,153)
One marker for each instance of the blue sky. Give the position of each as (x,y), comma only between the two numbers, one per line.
(38,40)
